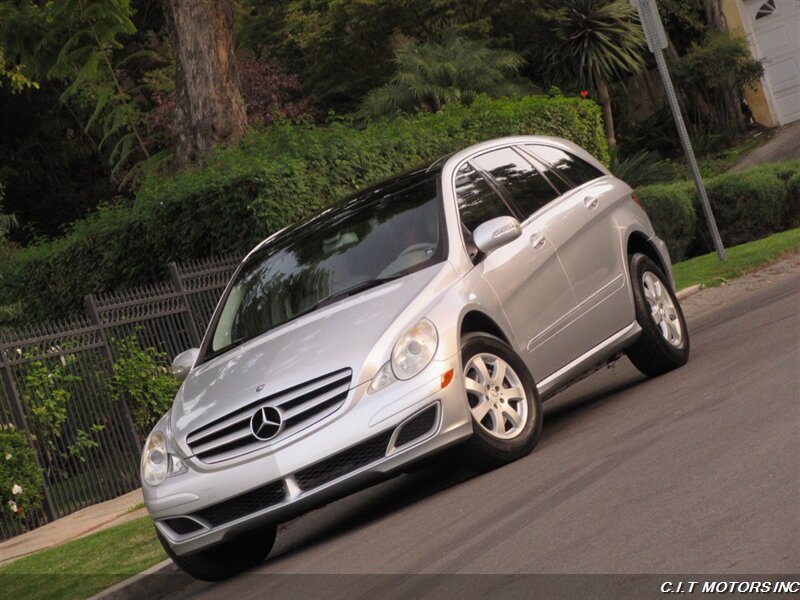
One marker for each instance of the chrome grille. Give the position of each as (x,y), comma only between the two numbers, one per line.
(300,407)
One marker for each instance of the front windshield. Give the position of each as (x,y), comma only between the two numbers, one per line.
(381,233)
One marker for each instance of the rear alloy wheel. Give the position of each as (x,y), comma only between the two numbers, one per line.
(664,342)
(228,558)
(506,410)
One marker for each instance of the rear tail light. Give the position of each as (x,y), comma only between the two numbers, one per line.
(635,198)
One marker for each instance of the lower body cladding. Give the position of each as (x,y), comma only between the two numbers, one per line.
(435,422)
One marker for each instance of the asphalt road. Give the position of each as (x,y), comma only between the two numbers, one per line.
(697,471)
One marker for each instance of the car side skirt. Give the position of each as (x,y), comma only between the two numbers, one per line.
(586,361)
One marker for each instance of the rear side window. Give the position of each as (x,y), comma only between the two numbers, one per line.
(576,170)
(528,189)
(477,201)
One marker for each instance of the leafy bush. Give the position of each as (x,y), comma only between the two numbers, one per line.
(792,217)
(271,180)
(783,171)
(47,392)
(711,75)
(20,478)
(672,213)
(747,206)
(142,378)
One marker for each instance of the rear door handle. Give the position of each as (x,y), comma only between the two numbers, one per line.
(537,240)
(590,202)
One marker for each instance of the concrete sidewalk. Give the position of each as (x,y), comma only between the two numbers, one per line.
(78,524)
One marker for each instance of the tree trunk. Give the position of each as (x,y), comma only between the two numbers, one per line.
(604,98)
(209,106)
(714,16)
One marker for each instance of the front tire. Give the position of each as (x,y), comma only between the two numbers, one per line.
(664,342)
(502,397)
(227,558)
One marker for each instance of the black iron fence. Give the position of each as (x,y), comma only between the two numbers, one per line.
(86,444)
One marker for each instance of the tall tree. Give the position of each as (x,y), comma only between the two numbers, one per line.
(209,106)
(592,43)
(714,15)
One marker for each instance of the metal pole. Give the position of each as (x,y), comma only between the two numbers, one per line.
(650,25)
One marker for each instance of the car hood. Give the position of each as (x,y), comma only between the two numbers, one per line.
(339,336)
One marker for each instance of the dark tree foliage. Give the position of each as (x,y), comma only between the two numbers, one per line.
(713,75)
(342,50)
(50,166)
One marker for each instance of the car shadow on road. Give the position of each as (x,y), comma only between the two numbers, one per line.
(594,392)
(372,504)
(433,476)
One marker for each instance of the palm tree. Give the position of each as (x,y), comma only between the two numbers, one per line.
(594,42)
(430,75)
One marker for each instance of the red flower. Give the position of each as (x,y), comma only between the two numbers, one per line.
(584,93)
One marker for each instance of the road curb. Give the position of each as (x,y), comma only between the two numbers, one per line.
(156,582)
(689,291)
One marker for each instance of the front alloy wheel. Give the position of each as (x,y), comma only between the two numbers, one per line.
(496,397)
(501,395)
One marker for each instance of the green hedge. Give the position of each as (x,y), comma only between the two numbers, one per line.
(747,205)
(271,180)
(793,201)
(671,210)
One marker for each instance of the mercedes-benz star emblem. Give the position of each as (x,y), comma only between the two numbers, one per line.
(266,423)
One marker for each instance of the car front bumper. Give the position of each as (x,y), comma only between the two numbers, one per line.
(370,437)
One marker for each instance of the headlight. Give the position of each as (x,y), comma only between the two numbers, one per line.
(414,350)
(157,465)
(411,353)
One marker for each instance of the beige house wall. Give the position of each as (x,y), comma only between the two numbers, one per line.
(756,98)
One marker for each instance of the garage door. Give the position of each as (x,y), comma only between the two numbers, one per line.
(776,28)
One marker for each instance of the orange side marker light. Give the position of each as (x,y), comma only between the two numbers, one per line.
(447,378)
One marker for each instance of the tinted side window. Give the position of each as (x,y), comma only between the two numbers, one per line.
(526,186)
(575,169)
(477,201)
(550,173)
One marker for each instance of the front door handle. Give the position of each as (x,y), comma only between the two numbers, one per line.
(590,202)
(537,240)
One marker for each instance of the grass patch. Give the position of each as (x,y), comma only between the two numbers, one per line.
(135,508)
(86,566)
(709,271)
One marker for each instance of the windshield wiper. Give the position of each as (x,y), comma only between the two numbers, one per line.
(359,287)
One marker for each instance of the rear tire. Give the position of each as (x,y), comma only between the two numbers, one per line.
(227,558)
(664,342)
(506,409)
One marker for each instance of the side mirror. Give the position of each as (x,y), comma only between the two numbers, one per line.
(184,362)
(495,233)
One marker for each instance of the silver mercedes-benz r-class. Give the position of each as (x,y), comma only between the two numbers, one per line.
(436,308)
